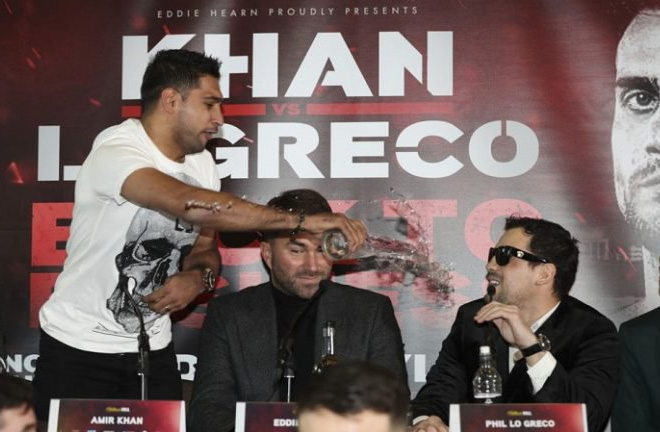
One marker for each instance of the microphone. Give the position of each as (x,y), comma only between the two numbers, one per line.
(285,349)
(143,346)
(491,328)
(490,293)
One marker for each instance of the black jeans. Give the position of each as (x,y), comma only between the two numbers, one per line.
(64,372)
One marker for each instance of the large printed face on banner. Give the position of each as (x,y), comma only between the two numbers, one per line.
(636,127)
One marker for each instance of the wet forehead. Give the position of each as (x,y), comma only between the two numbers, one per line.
(638,54)
(307,238)
(304,238)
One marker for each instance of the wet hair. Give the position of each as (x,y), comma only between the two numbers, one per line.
(298,201)
(554,243)
(14,393)
(178,69)
(353,387)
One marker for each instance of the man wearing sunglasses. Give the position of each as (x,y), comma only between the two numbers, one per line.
(548,346)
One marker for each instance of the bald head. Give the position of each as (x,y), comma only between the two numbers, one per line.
(636,127)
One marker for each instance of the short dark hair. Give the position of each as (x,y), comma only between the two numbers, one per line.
(178,69)
(14,393)
(554,243)
(353,387)
(298,201)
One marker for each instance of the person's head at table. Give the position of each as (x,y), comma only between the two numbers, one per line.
(533,265)
(354,397)
(16,412)
(295,260)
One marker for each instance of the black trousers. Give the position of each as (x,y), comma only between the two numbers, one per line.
(63,372)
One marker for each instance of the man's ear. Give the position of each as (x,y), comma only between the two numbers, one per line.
(169,98)
(266,253)
(546,272)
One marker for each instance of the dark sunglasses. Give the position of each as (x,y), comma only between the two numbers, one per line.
(503,255)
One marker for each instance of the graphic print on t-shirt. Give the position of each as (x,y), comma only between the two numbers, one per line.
(154,248)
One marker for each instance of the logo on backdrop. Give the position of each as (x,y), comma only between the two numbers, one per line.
(357,149)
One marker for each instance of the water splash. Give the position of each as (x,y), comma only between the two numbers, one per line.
(416,258)
(384,254)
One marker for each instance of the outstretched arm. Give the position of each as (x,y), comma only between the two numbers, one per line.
(148,187)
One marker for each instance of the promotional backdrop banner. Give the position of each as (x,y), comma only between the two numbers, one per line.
(430,120)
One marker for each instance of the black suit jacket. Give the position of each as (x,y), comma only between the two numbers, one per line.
(637,404)
(584,342)
(237,359)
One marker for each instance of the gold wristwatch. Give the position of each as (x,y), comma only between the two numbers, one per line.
(208,279)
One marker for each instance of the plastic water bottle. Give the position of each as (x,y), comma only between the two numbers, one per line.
(335,244)
(487,383)
(328,358)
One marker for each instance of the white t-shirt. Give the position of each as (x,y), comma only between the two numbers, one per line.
(116,247)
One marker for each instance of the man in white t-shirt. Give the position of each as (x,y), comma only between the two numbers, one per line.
(142,241)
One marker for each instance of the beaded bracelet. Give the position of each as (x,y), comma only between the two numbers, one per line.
(299,228)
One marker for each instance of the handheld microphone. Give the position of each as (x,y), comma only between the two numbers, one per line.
(491,329)
(490,293)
